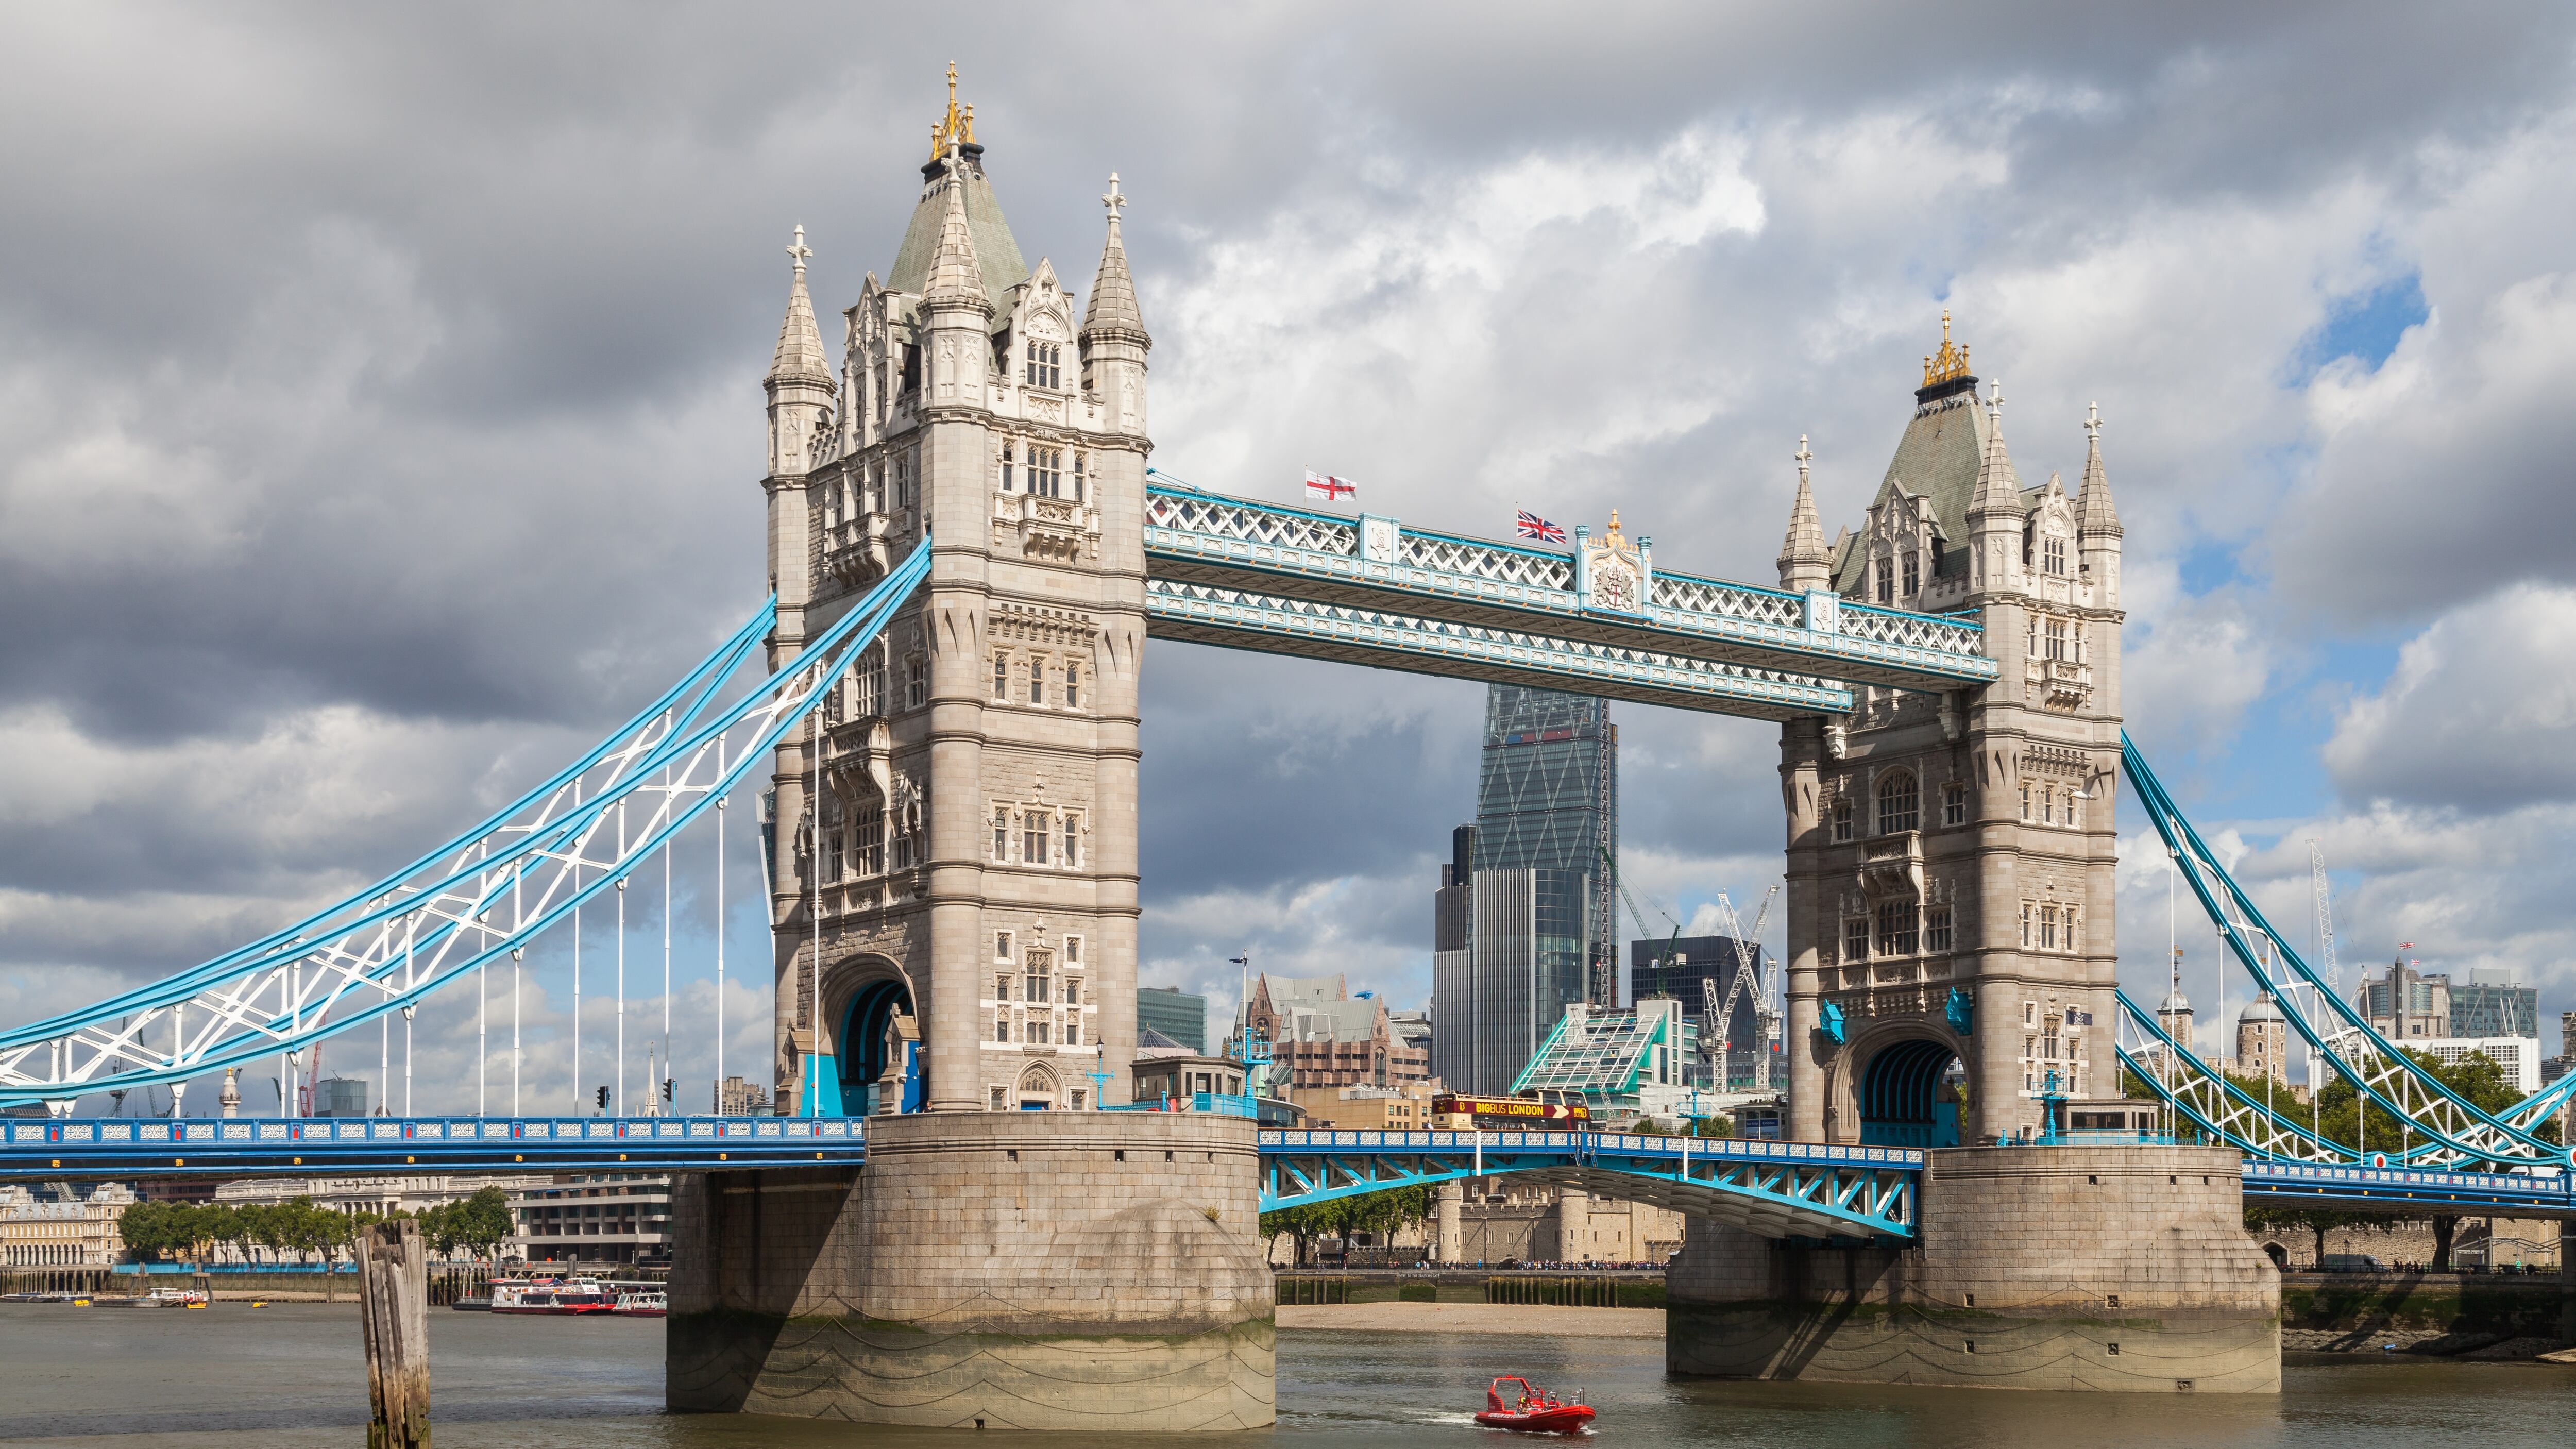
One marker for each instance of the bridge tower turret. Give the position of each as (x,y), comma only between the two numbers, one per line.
(955,925)
(975,839)
(1951,857)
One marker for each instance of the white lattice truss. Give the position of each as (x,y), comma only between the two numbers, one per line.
(2452,1131)
(1193,537)
(1275,624)
(475,901)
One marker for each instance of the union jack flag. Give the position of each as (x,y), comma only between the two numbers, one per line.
(1530,525)
(1328,487)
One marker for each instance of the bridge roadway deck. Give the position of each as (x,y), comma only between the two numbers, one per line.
(1784,1188)
(39,1148)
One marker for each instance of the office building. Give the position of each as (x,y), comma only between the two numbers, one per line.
(738,1098)
(1683,968)
(1453,989)
(594,1217)
(2492,1003)
(2519,1056)
(1173,1012)
(65,1231)
(1532,932)
(340,1097)
(2403,1004)
(1405,1108)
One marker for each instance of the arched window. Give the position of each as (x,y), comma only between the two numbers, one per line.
(1842,817)
(1900,803)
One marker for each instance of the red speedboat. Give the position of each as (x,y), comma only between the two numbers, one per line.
(1516,1403)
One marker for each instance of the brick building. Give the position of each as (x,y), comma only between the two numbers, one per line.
(1322,1036)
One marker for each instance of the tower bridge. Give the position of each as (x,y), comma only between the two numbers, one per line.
(966,554)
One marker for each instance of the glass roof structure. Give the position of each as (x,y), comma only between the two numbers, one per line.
(1606,1056)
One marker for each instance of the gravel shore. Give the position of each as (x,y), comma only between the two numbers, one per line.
(1475,1318)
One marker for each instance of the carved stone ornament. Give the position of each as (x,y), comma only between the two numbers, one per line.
(1613,570)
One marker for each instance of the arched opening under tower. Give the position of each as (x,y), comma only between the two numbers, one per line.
(1906,1099)
(869,1046)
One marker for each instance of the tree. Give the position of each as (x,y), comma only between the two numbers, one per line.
(1715,1124)
(145,1227)
(482,1222)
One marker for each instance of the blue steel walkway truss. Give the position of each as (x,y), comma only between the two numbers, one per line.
(1245,574)
(1776,1189)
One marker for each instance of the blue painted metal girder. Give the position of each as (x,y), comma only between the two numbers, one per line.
(1778,1189)
(1375,564)
(34,1149)
(2410,1189)
(1308,629)
(386,951)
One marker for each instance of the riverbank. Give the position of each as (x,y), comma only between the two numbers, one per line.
(1480,1318)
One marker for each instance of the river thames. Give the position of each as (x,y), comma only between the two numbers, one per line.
(291,1376)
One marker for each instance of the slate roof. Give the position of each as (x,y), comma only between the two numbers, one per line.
(997,252)
(1937,457)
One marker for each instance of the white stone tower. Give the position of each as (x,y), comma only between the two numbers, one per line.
(2263,1040)
(969,882)
(1950,856)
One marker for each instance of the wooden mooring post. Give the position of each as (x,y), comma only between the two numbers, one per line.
(393,1303)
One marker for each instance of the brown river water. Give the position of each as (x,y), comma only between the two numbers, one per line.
(291,1376)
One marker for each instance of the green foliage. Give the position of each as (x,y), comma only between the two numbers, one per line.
(1715,1124)
(477,1224)
(1383,1212)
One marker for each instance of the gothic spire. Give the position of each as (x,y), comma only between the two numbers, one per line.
(800,343)
(1802,559)
(1996,495)
(955,279)
(1112,308)
(2093,511)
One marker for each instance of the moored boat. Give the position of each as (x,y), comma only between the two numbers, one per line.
(551,1296)
(642,1302)
(1516,1403)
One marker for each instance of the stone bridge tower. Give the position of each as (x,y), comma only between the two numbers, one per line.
(1951,857)
(969,881)
(955,916)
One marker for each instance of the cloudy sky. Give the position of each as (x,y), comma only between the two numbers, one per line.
(380,416)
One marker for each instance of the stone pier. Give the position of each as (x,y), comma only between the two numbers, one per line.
(1020,1270)
(2092,1268)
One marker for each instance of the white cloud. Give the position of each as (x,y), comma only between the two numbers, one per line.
(2480,712)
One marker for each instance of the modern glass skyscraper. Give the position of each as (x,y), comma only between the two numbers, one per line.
(1538,925)
(1547,799)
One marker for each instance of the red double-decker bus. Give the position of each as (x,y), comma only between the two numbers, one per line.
(1512,1112)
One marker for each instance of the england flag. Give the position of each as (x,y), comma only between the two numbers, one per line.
(1328,487)
(1530,525)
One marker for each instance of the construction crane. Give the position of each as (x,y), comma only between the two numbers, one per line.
(1763,988)
(1639,916)
(2322,891)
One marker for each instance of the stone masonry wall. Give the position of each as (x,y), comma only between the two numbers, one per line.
(1006,1270)
(2116,1268)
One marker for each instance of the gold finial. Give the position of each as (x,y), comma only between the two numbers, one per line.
(1613,538)
(1951,363)
(957,127)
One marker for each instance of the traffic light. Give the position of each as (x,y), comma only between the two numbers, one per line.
(669,1087)
(603,1099)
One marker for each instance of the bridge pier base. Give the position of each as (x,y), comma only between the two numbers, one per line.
(1005,1270)
(2103,1268)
